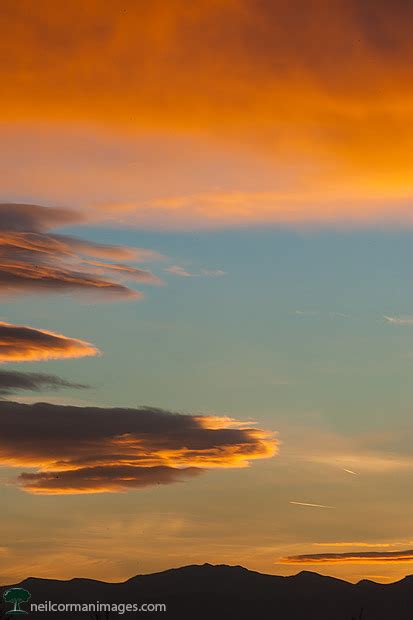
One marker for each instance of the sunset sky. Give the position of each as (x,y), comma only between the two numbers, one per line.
(206,281)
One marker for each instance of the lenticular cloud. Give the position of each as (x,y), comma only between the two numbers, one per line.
(96,450)
(35,260)
(19,343)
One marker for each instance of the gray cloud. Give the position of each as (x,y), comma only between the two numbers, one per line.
(373,557)
(101,479)
(14,381)
(24,217)
(32,259)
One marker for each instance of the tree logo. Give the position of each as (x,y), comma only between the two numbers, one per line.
(16,596)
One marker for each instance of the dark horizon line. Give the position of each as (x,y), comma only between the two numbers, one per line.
(212,566)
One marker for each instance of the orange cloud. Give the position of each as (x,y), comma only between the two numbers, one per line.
(353,544)
(369,557)
(131,273)
(90,449)
(319,203)
(325,87)
(19,343)
(34,260)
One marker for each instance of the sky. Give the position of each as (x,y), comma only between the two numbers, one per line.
(206,323)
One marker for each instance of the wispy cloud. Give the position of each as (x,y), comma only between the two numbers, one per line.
(14,381)
(176,270)
(353,544)
(208,273)
(19,343)
(213,273)
(363,557)
(305,313)
(399,320)
(32,259)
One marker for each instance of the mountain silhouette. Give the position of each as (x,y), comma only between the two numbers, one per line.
(220,591)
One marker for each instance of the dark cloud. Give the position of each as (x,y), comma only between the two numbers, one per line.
(91,449)
(373,557)
(19,343)
(25,217)
(34,260)
(14,381)
(103,479)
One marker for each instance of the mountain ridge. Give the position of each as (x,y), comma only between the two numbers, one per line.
(223,591)
(302,573)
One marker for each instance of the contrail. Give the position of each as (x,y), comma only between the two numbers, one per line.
(354,473)
(312,505)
